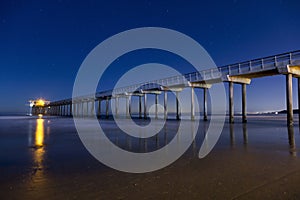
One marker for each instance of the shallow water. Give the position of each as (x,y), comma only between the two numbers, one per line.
(44,158)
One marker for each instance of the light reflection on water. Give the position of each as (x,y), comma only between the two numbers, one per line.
(37,178)
(39,133)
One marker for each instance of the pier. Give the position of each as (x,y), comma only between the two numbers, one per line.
(287,64)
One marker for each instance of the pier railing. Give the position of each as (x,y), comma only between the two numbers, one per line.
(247,67)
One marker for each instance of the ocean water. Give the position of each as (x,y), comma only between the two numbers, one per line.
(45,158)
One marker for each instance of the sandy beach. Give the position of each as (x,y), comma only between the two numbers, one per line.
(257,160)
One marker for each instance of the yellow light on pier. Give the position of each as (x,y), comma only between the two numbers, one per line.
(40,102)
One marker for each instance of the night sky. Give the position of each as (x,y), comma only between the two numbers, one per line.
(43,43)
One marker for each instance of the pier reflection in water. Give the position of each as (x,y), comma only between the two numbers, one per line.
(232,134)
(292,143)
(240,134)
(245,134)
(236,129)
(170,132)
(232,138)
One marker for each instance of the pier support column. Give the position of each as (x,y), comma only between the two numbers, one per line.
(73,109)
(70,110)
(62,110)
(165,104)
(192,103)
(231,115)
(82,109)
(99,108)
(145,106)
(87,109)
(117,106)
(107,107)
(127,107)
(59,110)
(140,107)
(244,105)
(65,109)
(92,108)
(289,99)
(77,109)
(205,104)
(177,106)
(156,106)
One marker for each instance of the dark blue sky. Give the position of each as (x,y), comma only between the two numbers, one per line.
(43,43)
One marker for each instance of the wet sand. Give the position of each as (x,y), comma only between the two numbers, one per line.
(46,159)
